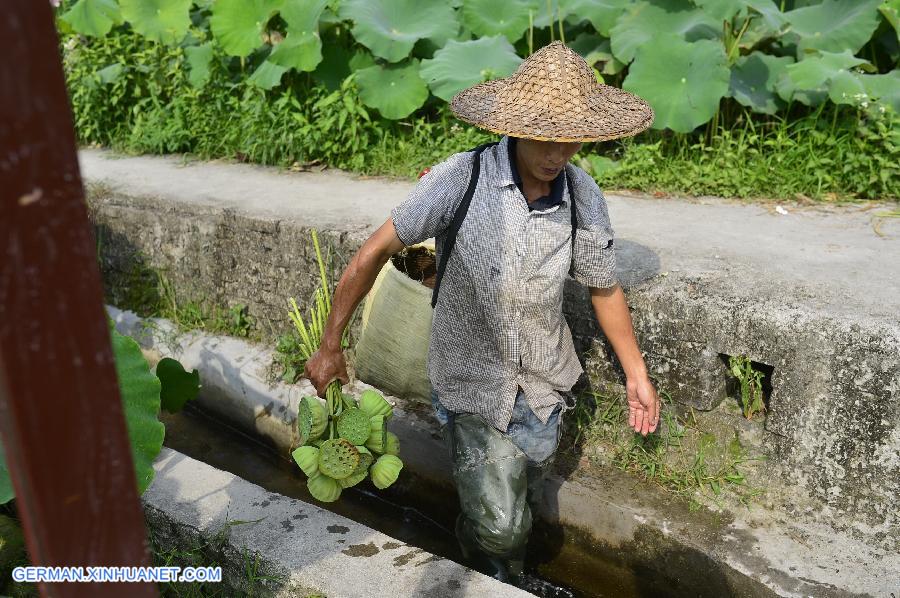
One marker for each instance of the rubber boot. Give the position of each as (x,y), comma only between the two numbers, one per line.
(491,478)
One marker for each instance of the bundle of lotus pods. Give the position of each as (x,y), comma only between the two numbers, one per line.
(343,442)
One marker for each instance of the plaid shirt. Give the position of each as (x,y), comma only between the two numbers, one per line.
(498,324)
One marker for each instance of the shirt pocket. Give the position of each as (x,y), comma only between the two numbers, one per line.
(594,263)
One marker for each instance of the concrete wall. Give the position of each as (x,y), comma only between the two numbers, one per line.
(833,424)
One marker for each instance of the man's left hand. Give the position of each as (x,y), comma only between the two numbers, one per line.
(643,405)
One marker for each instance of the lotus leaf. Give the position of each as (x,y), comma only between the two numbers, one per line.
(833,25)
(890,10)
(771,15)
(723,10)
(301,51)
(682,81)
(390,28)
(852,88)
(7,493)
(323,488)
(373,403)
(318,415)
(602,14)
(459,65)
(302,16)
(199,58)
(488,18)
(93,17)
(334,67)
(338,458)
(596,50)
(110,74)
(268,75)
(807,81)
(361,60)
(392,444)
(307,457)
(353,424)
(395,90)
(359,474)
(386,470)
(753,81)
(647,20)
(140,390)
(164,21)
(884,88)
(238,27)
(304,423)
(178,386)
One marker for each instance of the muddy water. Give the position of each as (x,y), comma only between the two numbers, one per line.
(423,519)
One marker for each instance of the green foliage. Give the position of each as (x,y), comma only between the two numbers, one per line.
(459,65)
(683,457)
(750,381)
(93,17)
(140,391)
(7,493)
(238,24)
(165,21)
(396,90)
(178,385)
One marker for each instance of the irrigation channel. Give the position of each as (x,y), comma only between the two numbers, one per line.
(408,511)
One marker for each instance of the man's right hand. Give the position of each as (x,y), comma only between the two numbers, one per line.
(324,367)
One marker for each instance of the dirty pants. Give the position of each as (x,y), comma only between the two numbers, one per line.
(499,478)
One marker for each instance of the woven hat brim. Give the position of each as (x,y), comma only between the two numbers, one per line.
(607,113)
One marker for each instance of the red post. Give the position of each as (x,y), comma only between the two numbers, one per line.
(60,413)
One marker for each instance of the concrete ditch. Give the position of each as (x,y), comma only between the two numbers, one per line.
(732,553)
(813,297)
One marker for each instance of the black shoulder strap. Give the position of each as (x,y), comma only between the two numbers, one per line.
(458,217)
(574,211)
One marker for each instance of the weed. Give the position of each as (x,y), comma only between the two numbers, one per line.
(681,457)
(750,381)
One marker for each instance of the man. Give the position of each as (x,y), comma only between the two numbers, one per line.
(501,353)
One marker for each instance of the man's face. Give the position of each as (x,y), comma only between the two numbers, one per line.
(544,159)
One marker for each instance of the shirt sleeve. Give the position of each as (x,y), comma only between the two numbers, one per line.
(594,260)
(430,206)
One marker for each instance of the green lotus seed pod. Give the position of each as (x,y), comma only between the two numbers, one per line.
(359,474)
(377,434)
(338,458)
(307,457)
(392,444)
(353,424)
(323,488)
(374,404)
(304,423)
(386,470)
(318,417)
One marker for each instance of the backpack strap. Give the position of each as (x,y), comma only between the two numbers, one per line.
(458,217)
(570,183)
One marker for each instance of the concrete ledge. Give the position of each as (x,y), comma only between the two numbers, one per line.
(310,550)
(740,553)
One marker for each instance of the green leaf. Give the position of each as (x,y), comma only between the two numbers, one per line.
(890,10)
(198,59)
(238,24)
(884,88)
(459,65)
(596,50)
(267,75)
(164,21)
(7,492)
(722,10)
(140,391)
(394,90)
(111,73)
(361,60)
(178,386)
(602,14)
(682,81)
(301,51)
(647,20)
(807,81)
(771,15)
(855,89)
(390,28)
(302,16)
(833,25)
(93,17)
(334,67)
(753,80)
(491,18)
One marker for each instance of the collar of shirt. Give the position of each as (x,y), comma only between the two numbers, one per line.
(541,204)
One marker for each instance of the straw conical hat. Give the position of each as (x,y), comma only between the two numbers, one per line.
(553,96)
